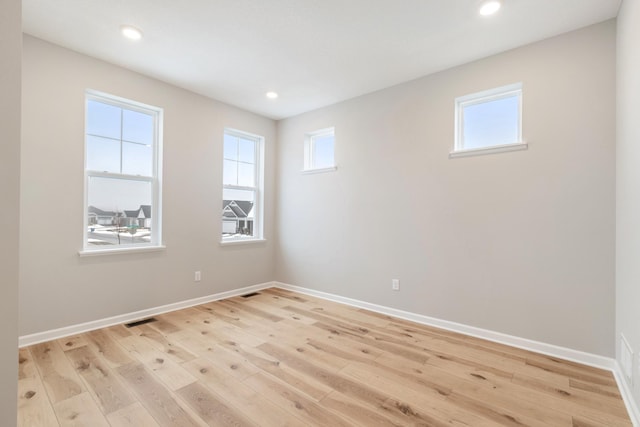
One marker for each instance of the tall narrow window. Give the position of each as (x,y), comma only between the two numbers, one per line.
(319,150)
(122,170)
(242,179)
(489,121)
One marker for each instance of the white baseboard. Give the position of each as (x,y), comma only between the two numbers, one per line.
(513,341)
(627,395)
(66,331)
(584,358)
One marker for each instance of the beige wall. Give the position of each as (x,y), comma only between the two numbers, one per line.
(521,243)
(58,288)
(10,49)
(628,184)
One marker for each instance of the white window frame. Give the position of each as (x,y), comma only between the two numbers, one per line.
(155,180)
(480,98)
(309,140)
(258,219)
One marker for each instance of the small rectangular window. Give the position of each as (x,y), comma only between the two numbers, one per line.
(242,180)
(489,121)
(319,150)
(122,173)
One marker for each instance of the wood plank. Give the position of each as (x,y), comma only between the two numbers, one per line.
(161,342)
(357,390)
(248,308)
(269,305)
(305,384)
(578,398)
(281,293)
(295,402)
(102,383)
(69,343)
(240,397)
(359,413)
(210,408)
(415,394)
(34,407)
(609,391)
(58,376)
(165,369)
(157,399)
(102,342)
(26,365)
(117,331)
(80,411)
(134,415)
(400,350)
(164,326)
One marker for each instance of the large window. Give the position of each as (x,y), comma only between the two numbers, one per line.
(319,150)
(122,171)
(489,121)
(242,186)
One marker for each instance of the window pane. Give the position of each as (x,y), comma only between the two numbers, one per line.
(323,155)
(137,159)
(491,123)
(238,213)
(247,151)
(230,147)
(103,155)
(230,173)
(103,119)
(246,175)
(119,211)
(137,127)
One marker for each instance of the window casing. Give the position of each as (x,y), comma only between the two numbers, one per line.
(242,190)
(489,121)
(123,149)
(319,150)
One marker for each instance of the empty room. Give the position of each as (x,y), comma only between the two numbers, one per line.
(320,213)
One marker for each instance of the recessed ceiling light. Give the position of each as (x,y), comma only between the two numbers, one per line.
(271,95)
(489,7)
(131,32)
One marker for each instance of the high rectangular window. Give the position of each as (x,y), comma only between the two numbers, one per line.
(242,192)
(489,120)
(122,173)
(319,150)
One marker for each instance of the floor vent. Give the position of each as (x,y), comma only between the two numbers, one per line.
(252,294)
(140,322)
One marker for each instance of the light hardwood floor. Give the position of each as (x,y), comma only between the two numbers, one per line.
(285,359)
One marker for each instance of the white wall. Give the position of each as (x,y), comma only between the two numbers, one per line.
(628,183)
(521,243)
(10,50)
(58,288)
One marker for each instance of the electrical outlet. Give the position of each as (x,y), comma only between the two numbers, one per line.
(197,276)
(395,284)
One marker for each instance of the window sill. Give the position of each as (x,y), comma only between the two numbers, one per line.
(241,242)
(489,150)
(120,251)
(319,170)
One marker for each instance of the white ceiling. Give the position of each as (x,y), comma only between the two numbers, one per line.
(312,52)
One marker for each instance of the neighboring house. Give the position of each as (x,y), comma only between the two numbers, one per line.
(237,217)
(100,217)
(140,217)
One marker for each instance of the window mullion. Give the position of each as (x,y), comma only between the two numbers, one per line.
(239,187)
(121,138)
